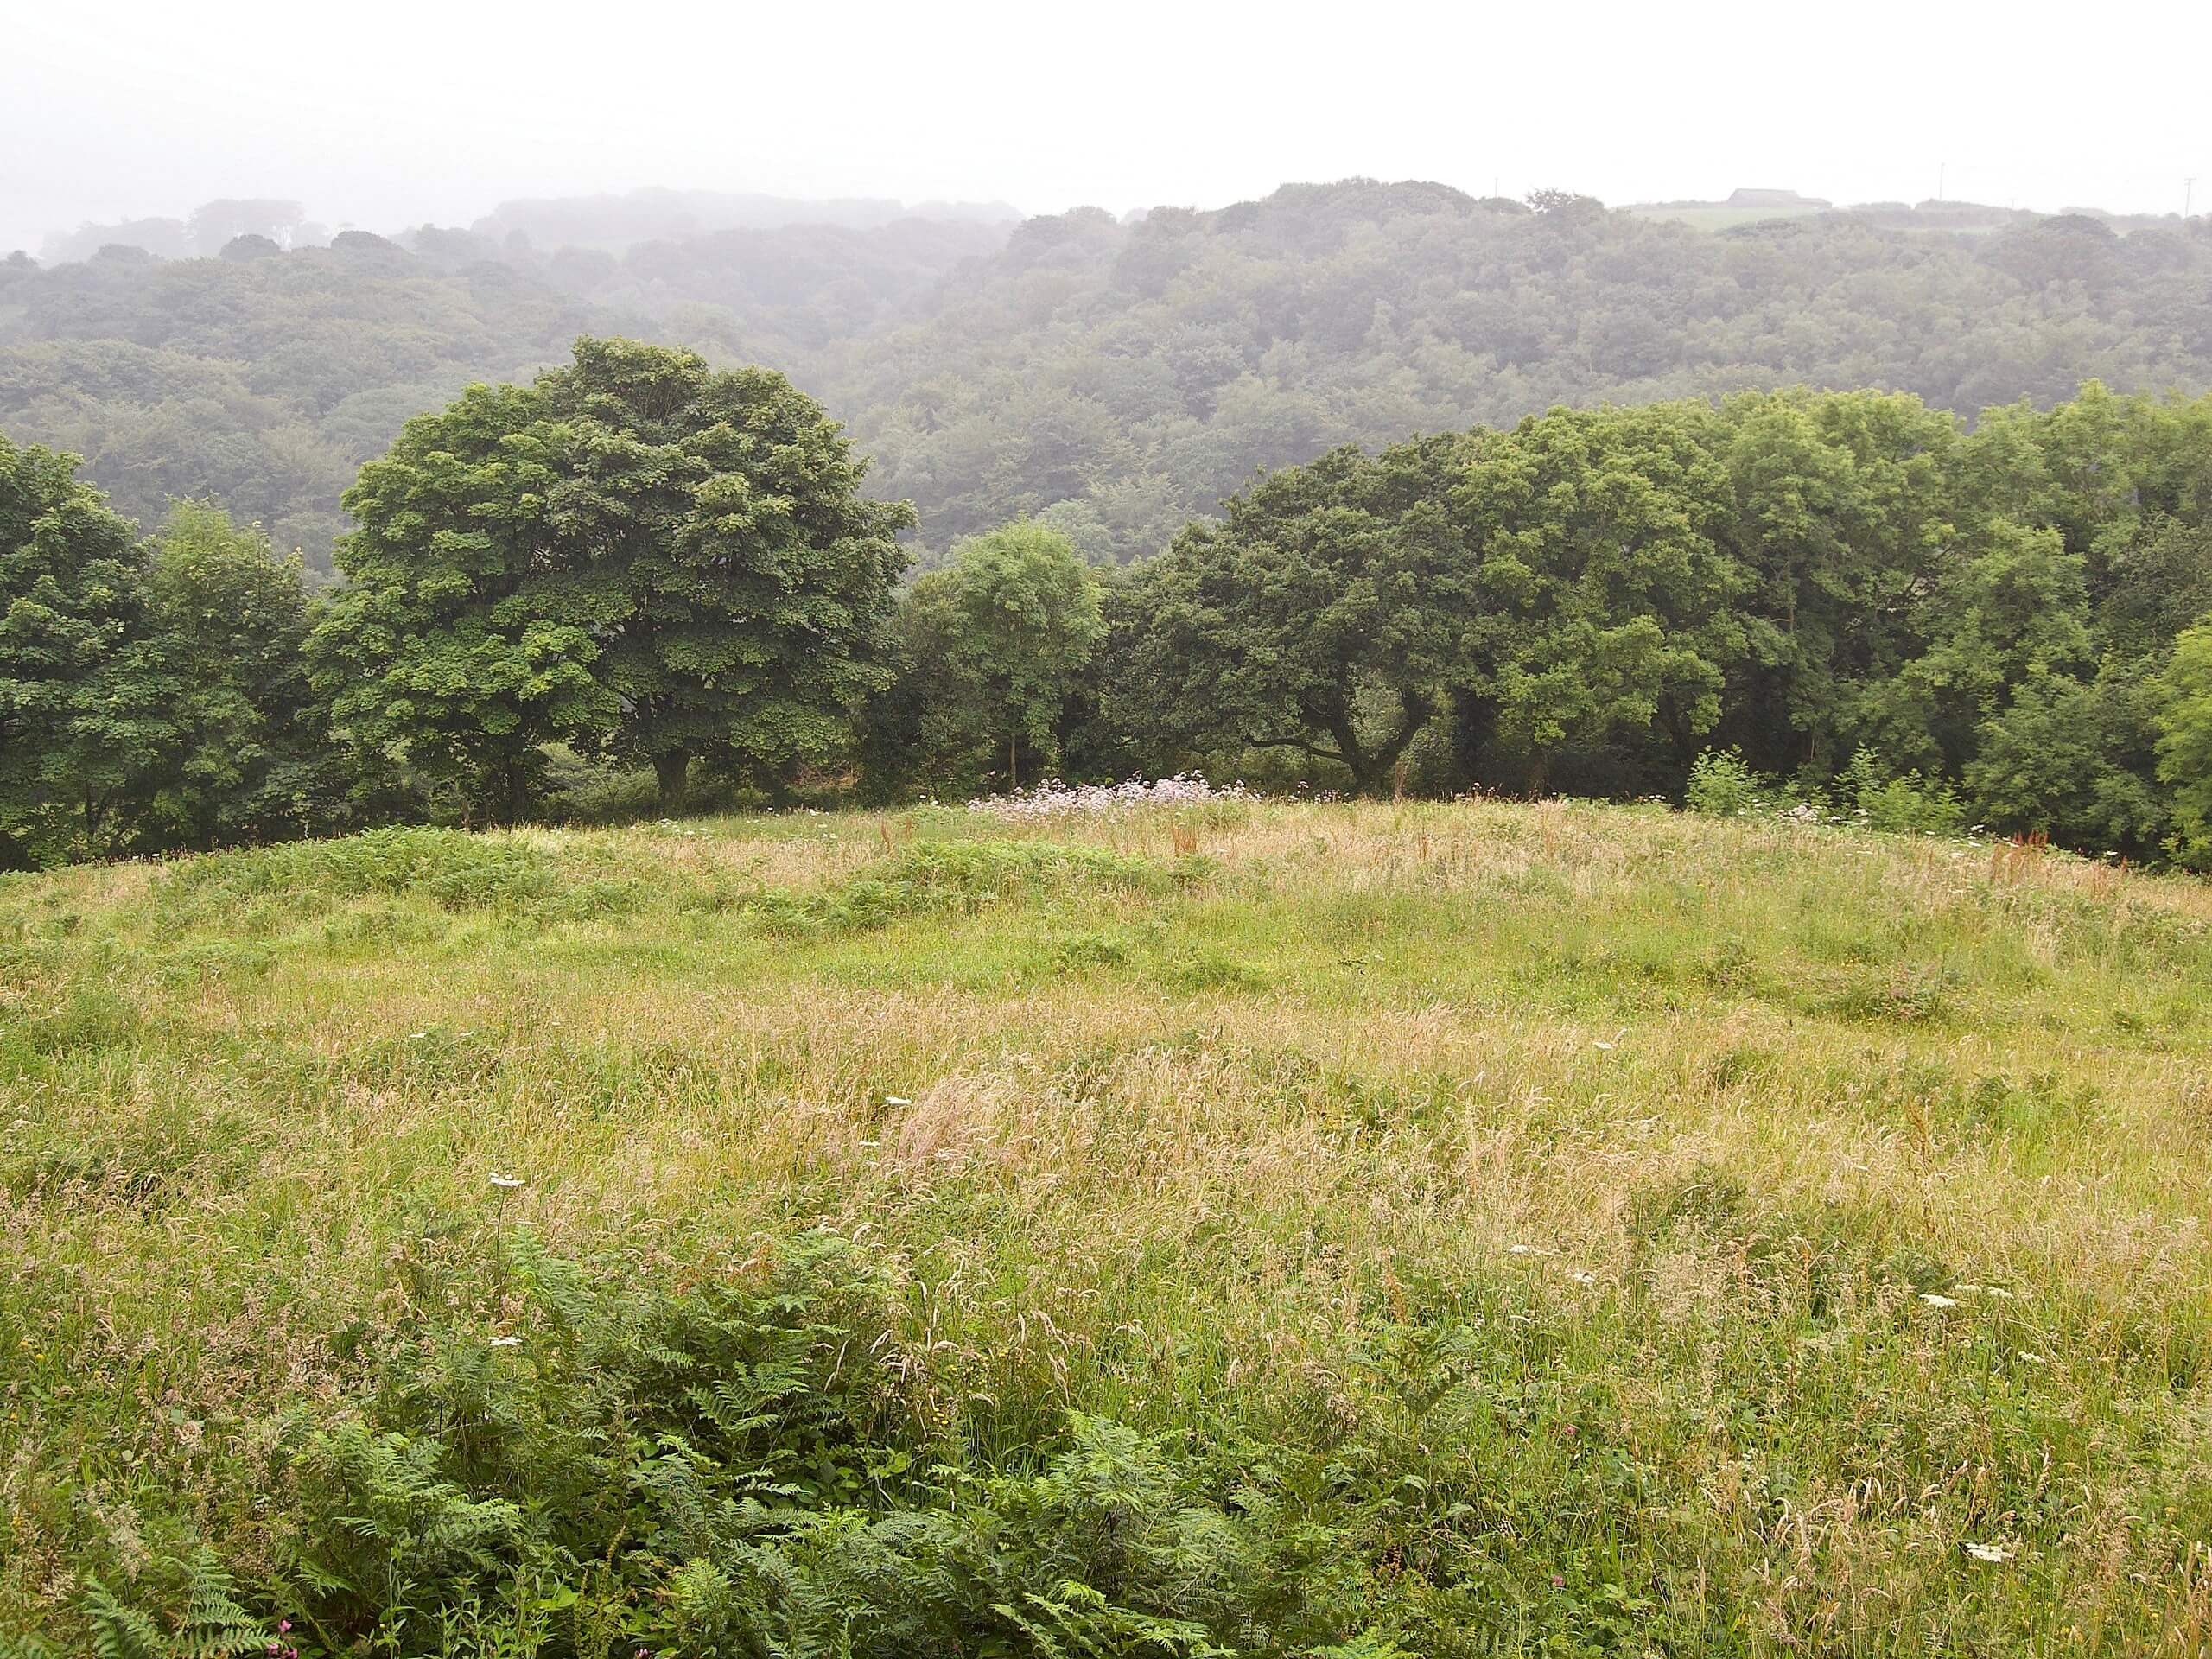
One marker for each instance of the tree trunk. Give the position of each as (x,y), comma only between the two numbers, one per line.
(518,784)
(1372,769)
(673,773)
(1474,723)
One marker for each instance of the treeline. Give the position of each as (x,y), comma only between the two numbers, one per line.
(634,558)
(1795,595)
(637,561)
(1110,379)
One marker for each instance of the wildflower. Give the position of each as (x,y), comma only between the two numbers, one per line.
(1052,800)
(506,1342)
(415,1036)
(1519,1249)
(507,1183)
(1935,1300)
(1585,1278)
(2033,1359)
(1988,1553)
(897,1100)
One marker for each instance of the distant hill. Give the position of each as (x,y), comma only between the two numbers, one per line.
(616,222)
(1116,376)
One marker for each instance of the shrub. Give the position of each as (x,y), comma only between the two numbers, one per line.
(1722,786)
(1907,804)
(743,1468)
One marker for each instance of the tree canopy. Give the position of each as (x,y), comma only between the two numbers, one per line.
(635,555)
(991,652)
(1115,379)
(72,596)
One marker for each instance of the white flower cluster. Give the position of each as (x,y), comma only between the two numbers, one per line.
(1058,800)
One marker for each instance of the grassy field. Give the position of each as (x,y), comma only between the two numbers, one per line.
(1289,1230)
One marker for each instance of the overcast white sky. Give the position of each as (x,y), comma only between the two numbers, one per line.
(385,115)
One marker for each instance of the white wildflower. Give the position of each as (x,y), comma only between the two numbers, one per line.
(507,1183)
(1988,1553)
(1519,1249)
(1935,1300)
(1057,800)
(897,1100)
(2033,1359)
(506,1342)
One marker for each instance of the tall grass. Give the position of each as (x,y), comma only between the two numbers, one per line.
(1309,1228)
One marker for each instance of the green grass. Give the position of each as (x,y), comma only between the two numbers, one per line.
(1449,1230)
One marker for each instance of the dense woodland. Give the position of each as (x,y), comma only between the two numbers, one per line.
(1112,379)
(1849,600)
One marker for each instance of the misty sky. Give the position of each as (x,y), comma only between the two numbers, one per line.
(386,115)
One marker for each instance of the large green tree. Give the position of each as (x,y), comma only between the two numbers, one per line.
(736,586)
(74,733)
(1330,614)
(448,652)
(1607,605)
(636,554)
(223,650)
(1839,512)
(991,648)
(2185,741)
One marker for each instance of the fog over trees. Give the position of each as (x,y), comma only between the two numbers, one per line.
(1112,379)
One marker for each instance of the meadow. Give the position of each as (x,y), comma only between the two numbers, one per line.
(1302,1229)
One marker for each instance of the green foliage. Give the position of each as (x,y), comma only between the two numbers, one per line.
(636,559)
(208,1621)
(991,650)
(2073,760)
(226,620)
(457,870)
(1903,804)
(737,587)
(1329,614)
(75,722)
(730,1471)
(1608,603)
(633,554)
(1722,786)
(2184,743)
(870,1294)
(444,654)
(960,875)
(1116,377)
